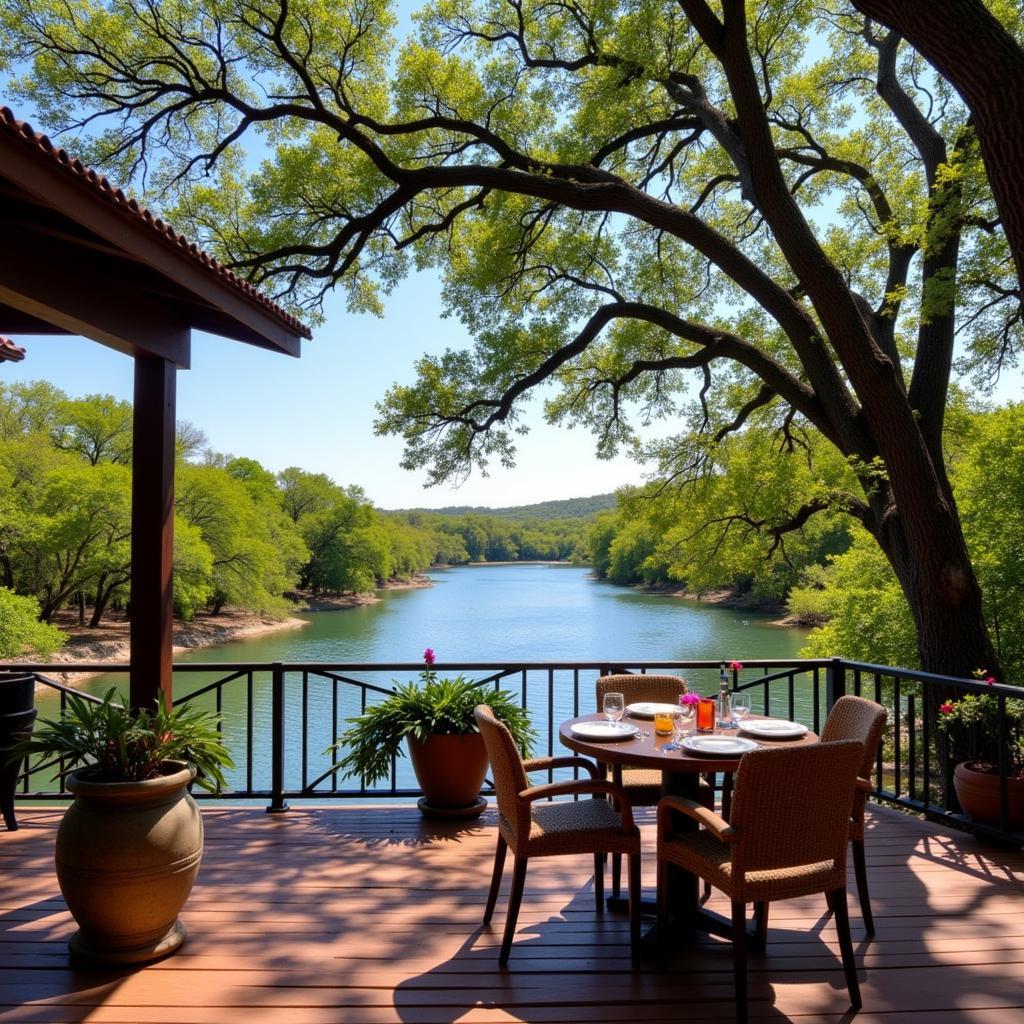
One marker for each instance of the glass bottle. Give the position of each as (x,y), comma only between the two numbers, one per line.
(723,704)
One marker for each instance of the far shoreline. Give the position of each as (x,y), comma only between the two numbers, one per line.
(108,644)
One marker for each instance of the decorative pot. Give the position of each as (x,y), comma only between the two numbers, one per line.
(127,855)
(450,771)
(978,793)
(17,716)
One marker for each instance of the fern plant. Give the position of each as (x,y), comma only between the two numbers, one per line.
(432,706)
(116,744)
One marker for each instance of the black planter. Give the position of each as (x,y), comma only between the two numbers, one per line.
(17,716)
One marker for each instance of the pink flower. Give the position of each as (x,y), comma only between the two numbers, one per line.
(947,708)
(689,698)
(428,656)
(990,680)
(736,666)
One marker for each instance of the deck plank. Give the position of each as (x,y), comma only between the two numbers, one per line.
(372,916)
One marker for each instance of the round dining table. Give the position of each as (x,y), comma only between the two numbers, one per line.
(680,776)
(680,769)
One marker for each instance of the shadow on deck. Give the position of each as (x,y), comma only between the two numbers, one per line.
(372,916)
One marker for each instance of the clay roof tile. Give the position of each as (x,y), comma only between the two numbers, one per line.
(130,207)
(9,352)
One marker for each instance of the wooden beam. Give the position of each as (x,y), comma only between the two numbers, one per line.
(245,317)
(82,294)
(152,594)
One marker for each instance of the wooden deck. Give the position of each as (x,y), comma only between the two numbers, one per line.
(372,916)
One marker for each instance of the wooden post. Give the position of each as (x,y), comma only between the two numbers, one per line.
(152,598)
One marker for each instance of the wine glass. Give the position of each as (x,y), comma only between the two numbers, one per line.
(682,725)
(614,707)
(740,707)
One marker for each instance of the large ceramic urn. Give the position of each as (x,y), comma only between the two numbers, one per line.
(450,771)
(17,715)
(127,855)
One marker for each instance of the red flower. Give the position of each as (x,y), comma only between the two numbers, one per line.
(990,680)
(736,666)
(947,708)
(428,656)
(689,698)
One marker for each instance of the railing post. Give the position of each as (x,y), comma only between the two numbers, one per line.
(277,804)
(835,682)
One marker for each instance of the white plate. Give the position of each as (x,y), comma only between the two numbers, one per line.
(718,746)
(646,709)
(604,731)
(773,729)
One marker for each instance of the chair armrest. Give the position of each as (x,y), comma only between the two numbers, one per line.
(574,786)
(864,785)
(714,823)
(537,764)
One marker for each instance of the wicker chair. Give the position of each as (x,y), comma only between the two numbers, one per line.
(854,718)
(787,838)
(643,785)
(533,827)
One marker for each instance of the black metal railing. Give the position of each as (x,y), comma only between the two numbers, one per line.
(279,718)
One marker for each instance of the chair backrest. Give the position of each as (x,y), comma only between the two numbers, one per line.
(792,805)
(507,768)
(854,718)
(656,689)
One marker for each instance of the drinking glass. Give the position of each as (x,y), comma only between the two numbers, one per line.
(676,728)
(614,707)
(687,714)
(740,707)
(706,715)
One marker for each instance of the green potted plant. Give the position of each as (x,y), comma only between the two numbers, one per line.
(435,719)
(971,725)
(129,846)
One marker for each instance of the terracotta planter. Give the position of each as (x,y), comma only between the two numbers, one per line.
(17,715)
(127,855)
(978,793)
(450,771)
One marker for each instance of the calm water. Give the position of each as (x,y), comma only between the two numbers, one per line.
(518,612)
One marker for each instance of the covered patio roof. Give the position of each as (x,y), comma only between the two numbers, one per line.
(79,256)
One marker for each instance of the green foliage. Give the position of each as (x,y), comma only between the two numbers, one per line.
(21,632)
(97,428)
(858,594)
(988,479)
(434,705)
(736,523)
(116,744)
(563,508)
(973,727)
(867,615)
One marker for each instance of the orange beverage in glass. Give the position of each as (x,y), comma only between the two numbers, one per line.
(706,715)
(663,723)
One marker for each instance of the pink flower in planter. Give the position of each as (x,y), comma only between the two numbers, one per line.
(428,656)
(736,666)
(990,680)
(947,708)
(689,698)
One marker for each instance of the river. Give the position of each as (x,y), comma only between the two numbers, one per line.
(510,612)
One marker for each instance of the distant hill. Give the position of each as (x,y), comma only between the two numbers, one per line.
(569,508)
